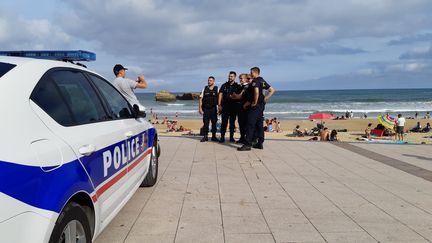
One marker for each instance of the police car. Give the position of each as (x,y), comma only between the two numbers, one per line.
(72,150)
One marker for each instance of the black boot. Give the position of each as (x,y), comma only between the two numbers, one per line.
(222,139)
(244,148)
(241,140)
(204,139)
(232,140)
(258,146)
(214,139)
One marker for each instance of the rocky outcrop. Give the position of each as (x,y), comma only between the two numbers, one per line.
(188,96)
(165,96)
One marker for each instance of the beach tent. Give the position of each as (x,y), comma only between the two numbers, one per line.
(387,121)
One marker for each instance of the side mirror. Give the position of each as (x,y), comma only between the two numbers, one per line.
(138,112)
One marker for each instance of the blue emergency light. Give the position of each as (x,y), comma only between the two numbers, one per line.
(71,56)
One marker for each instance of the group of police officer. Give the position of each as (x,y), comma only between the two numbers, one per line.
(245,101)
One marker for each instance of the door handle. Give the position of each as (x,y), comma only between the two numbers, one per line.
(87,149)
(129,134)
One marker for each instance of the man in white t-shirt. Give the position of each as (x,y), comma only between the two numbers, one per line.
(126,86)
(400,127)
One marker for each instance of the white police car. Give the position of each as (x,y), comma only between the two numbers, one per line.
(72,150)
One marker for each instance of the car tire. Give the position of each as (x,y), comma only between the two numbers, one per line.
(158,150)
(152,173)
(72,218)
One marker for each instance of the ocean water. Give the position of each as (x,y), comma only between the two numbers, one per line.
(300,104)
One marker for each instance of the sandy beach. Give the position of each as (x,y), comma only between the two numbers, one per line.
(355,129)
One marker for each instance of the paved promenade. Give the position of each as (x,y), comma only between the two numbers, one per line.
(288,192)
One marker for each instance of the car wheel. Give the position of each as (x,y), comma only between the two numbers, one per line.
(158,150)
(72,226)
(152,174)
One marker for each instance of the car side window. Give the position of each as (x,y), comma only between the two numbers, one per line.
(119,107)
(79,95)
(47,96)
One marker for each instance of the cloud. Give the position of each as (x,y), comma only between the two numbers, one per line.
(334,49)
(370,79)
(17,33)
(422,37)
(418,53)
(407,67)
(176,43)
(190,35)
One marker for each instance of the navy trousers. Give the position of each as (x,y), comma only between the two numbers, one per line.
(229,113)
(242,121)
(209,115)
(254,126)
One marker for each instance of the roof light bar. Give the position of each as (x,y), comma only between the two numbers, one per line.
(78,55)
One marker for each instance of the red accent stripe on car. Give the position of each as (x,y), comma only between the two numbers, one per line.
(120,175)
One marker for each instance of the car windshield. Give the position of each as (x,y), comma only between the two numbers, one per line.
(5,67)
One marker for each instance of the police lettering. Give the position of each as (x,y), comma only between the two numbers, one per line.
(120,155)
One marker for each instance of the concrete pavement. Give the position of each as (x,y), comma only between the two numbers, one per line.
(288,192)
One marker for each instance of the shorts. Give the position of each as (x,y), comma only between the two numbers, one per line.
(400,130)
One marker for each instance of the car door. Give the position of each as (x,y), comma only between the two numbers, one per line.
(137,130)
(98,140)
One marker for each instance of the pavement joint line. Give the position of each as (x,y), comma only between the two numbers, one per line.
(152,191)
(309,161)
(368,180)
(292,199)
(392,162)
(418,155)
(185,193)
(253,193)
(219,194)
(306,180)
(360,195)
(373,183)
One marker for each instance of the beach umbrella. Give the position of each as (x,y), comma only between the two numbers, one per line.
(321,116)
(387,121)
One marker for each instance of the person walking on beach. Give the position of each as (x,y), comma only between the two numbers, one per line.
(228,107)
(400,127)
(208,108)
(255,105)
(126,86)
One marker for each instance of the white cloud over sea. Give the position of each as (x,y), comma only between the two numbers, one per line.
(299,44)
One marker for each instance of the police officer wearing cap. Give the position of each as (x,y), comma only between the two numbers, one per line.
(228,107)
(208,108)
(126,86)
(255,101)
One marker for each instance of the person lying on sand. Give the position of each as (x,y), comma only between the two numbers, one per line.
(183,129)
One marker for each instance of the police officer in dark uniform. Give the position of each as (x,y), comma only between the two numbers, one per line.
(255,101)
(228,106)
(270,91)
(208,108)
(242,115)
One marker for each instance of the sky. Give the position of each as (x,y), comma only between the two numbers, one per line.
(177,44)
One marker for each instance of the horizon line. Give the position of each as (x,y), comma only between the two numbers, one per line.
(347,89)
